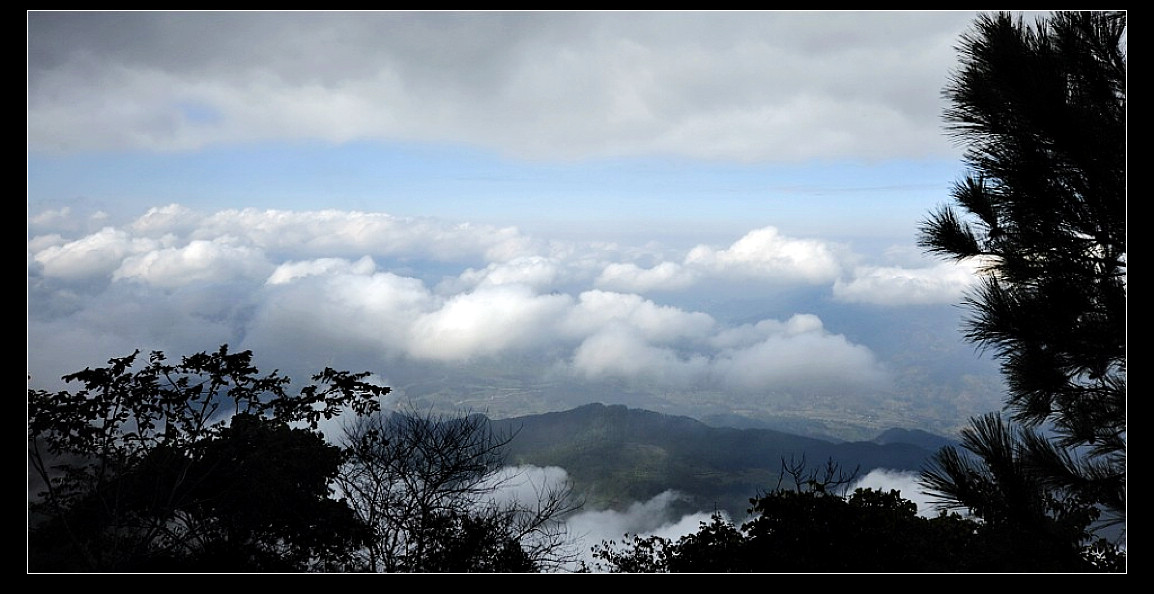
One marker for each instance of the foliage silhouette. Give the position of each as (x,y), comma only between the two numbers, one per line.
(207,465)
(425,484)
(999,484)
(200,465)
(1042,112)
(813,529)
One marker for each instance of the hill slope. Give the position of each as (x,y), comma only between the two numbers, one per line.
(617,455)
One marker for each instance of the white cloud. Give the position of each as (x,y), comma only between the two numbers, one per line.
(317,288)
(797,356)
(525,484)
(946,282)
(769,356)
(341,311)
(77,219)
(881,479)
(538,272)
(337,299)
(171,219)
(43,242)
(658,323)
(627,276)
(200,261)
(654,517)
(51,216)
(68,331)
(747,335)
(620,352)
(488,321)
(290,271)
(354,234)
(607,334)
(766,253)
(93,256)
(761,255)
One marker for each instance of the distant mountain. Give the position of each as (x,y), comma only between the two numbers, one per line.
(617,455)
(914,436)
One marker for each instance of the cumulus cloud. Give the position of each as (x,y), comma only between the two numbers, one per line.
(312,283)
(773,356)
(767,253)
(78,218)
(657,323)
(626,336)
(618,352)
(50,217)
(536,319)
(343,311)
(767,256)
(92,256)
(608,335)
(762,255)
(627,276)
(796,355)
(488,321)
(171,219)
(538,272)
(290,271)
(747,335)
(41,243)
(303,234)
(200,261)
(946,282)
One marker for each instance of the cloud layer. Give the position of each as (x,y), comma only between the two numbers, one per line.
(727,85)
(311,285)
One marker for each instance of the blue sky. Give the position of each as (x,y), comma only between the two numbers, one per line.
(471,184)
(696,212)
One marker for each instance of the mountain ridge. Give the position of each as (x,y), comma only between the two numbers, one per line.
(616,455)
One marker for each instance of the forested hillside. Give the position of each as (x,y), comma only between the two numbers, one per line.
(617,455)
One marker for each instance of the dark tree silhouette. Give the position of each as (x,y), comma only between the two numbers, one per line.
(426,483)
(812,530)
(206,465)
(867,531)
(199,465)
(1041,111)
(1025,524)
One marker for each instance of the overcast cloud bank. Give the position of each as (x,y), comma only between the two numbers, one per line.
(555,85)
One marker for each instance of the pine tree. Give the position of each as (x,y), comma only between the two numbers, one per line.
(1041,111)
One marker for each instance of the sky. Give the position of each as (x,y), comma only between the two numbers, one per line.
(701,213)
